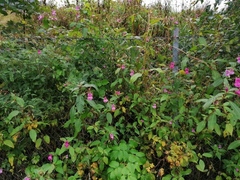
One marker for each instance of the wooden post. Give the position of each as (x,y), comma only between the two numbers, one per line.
(175,48)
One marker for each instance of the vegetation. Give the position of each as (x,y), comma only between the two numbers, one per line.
(91,92)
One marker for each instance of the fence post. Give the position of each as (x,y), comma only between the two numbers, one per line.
(175,48)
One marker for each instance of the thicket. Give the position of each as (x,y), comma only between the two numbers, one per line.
(91,92)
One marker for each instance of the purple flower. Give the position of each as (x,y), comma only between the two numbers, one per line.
(186,71)
(237,82)
(111,137)
(238,59)
(39,52)
(105,100)
(154,106)
(77,8)
(26,178)
(66,144)
(172,65)
(170,122)
(1,170)
(123,66)
(193,130)
(89,96)
(40,17)
(53,12)
(131,72)
(219,146)
(229,72)
(237,92)
(50,157)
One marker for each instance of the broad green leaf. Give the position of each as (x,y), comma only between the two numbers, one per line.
(212,100)
(200,126)
(234,145)
(90,85)
(33,135)
(217,129)
(202,41)
(72,154)
(114,164)
(167,177)
(217,82)
(228,130)
(159,70)
(80,103)
(8,143)
(135,77)
(46,139)
(105,160)
(109,118)
(38,143)
(20,101)
(201,166)
(13,114)
(208,155)
(235,108)
(212,121)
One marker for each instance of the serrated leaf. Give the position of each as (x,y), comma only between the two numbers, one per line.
(234,145)
(135,77)
(8,143)
(33,135)
(202,41)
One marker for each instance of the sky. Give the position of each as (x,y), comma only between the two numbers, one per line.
(176,4)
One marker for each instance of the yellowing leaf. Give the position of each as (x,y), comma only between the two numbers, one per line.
(123,109)
(9,143)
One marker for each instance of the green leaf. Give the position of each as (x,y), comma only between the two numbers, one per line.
(105,160)
(13,114)
(72,154)
(228,130)
(234,145)
(8,143)
(208,155)
(211,100)
(20,101)
(80,103)
(46,139)
(33,135)
(135,77)
(200,126)
(212,121)
(109,118)
(201,166)
(38,143)
(217,129)
(202,41)
(159,70)
(17,129)
(114,164)
(235,108)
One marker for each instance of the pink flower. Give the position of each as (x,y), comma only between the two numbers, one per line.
(39,52)
(186,71)
(111,137)
(77,8)
(1,170)
(123,66)
(53,12)
(226,89)
(229,72)
(105,100)
(117,93)
(154,106)
(170,122)
(113,108)
(237,169)
(89,96)
(238,59)
(237,82)
(219,146)
(118,20)
(131,72)
(172,65)
(237,92)
(40,17)
(26,178)
(176,22)
(193,130)
(50,157)
(66,144)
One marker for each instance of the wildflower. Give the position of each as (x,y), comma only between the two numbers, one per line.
(117,93)
(237,82)
(176,22)
(172,65)
(39,52)
(40,17)
(170,122)
(111,137)
(26,178)
(142,120)
(89,96)
(1,170)
(53,12)
(118,20)
(219,146)
(171,18)
(50,157)
(229,72)
(66,144)
(77,8)
(123,66)
(226,89)
(105,100)
(238,59)
(154,106)
(113,108)
(237,169)
(193,130)
(77,15)
(131,72)
(186,71)
(237,92)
